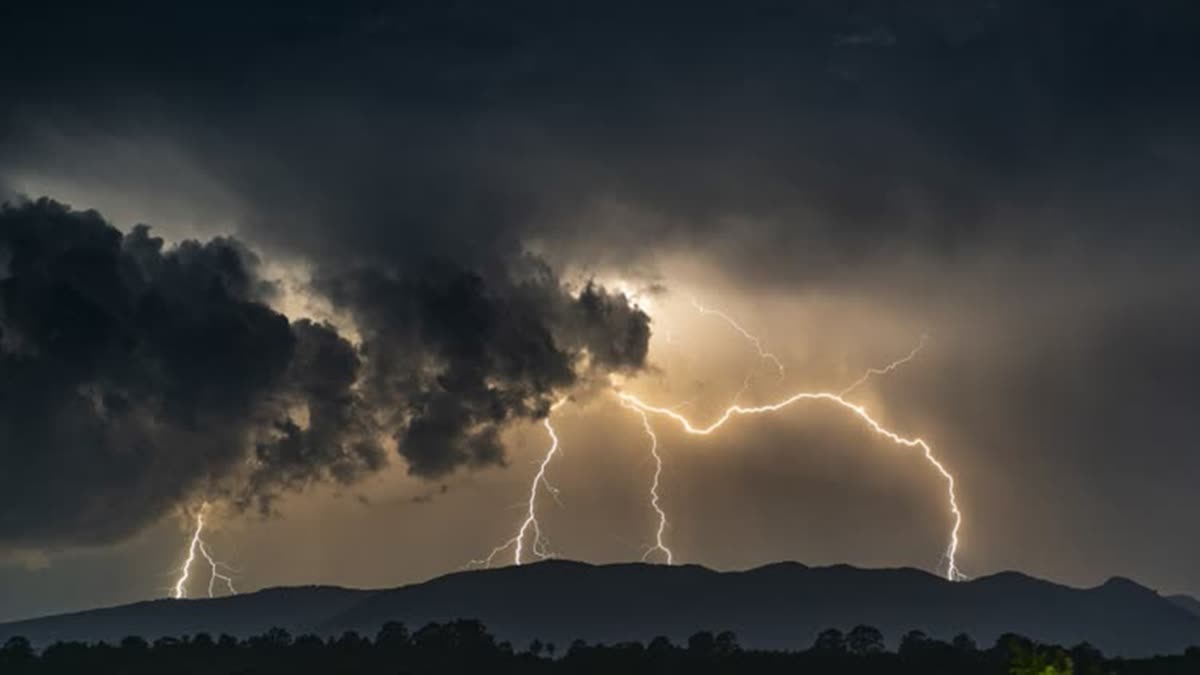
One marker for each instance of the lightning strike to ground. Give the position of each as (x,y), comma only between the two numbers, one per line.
(539,545)
(654,496)
(659,544)
(951,554)
(197,545)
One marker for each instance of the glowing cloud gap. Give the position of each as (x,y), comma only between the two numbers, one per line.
(654,496)
(762,353)
(539,545)
(951,553)
(871,372)
(197,544)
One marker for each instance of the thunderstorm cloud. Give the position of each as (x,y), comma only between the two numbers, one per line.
(135,375)
(1017,179)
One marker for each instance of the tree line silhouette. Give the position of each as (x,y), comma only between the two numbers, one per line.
(466,646)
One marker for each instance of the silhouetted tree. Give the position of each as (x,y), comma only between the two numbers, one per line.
(914,644)
(830,641)
(963,643)
(1087,659)
(17,656)
(864,640)
(702,644)
(727,643)
(202,641)
(134,644)
(1029,659)
(392,642)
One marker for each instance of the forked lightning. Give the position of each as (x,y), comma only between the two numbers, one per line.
(197,545)
(539,545)
(642,409)
(951,554)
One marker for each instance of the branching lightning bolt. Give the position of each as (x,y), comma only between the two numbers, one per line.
(197,545)
(952,572)
(762,353)
(659,545)
(539,545)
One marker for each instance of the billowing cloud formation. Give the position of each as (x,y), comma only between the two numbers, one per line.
(134,375)
(480,354)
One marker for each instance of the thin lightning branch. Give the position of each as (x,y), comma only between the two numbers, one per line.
(762,353)
(871,372)
(654,496)
(216,574)
(538,545)
(952,572)
(745,388)
(197,545)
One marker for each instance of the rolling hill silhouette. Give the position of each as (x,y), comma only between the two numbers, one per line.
(782,605)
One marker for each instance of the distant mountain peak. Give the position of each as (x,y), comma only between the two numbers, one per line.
(1122,582)
(1185,602)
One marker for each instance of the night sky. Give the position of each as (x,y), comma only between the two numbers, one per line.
(328,268)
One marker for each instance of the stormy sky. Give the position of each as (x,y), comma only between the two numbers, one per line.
(328,268)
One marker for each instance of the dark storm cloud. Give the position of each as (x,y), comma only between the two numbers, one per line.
(1032,164)
(463,129)
(480,352)
(336,437)
(134,375)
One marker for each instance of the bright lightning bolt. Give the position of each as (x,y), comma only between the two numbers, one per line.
(871,372)
(659,545)
(654,496)
(952,572)
(762,353)
(197,545)
(538,545)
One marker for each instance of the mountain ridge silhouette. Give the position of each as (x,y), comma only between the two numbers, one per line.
(780,605)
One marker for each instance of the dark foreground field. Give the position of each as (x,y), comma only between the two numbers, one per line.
(467,646)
